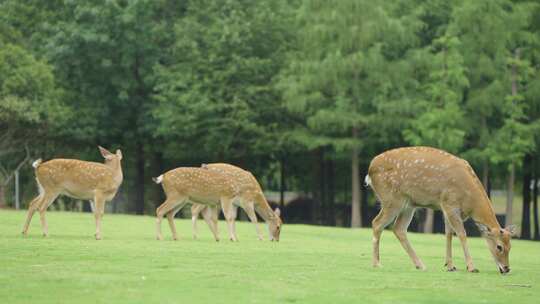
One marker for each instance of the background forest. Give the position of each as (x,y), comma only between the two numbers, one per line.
(303,93)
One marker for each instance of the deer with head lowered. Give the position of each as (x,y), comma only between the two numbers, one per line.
(213,186)
(406,178)
(78,179)
(252,200)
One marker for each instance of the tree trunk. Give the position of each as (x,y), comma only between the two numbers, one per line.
(485,176)
(526,214)
(535,203)
(322,187)
(316,190)
(139,177)
(356,218)
(510,195)
(2,196)
(282,182)
(330,193)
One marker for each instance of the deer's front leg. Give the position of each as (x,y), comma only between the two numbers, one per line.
(250,210)
(210,215)
(455,221)
(448,230)
(228,212)
(99,207)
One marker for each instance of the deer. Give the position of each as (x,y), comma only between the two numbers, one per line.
(214,187)
(404,179)
(96,182)
(252,201)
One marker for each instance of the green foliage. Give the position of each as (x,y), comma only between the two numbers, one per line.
(27,98)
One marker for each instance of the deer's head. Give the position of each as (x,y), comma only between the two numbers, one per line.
(498,240)
(111,159)
(274,225)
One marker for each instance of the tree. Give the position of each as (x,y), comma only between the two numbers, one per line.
(27,94)
(338,73)
(441,121)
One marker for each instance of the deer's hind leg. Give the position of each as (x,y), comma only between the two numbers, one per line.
(170,218)
(229,211)
(32,208)
(169,204)
(391,205)
(48,199)
(403,221)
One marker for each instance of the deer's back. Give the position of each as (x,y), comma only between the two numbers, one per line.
(424,175)
(198,183)
(76,178)
(245,181)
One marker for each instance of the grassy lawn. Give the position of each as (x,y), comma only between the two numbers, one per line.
(309,265)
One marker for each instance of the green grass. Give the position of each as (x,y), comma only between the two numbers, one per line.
(309,265)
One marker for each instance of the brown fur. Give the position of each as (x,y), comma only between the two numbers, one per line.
(406,178)
(78,179)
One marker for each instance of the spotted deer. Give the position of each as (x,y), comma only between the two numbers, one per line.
(251,199)
(212,188)
(78,179)
(406,178)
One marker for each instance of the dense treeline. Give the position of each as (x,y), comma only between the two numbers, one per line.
(301,92)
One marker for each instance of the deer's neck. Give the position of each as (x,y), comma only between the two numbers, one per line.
(263,208)
(116,168)
(483,213)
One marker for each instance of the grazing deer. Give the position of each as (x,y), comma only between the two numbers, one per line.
(406,178)
(212,187)
(251,198)
(77,179)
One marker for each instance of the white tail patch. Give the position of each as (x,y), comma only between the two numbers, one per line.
(36,163)
(158,179)
(367,180)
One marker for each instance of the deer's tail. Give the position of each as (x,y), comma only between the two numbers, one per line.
(36,163)
(158,179)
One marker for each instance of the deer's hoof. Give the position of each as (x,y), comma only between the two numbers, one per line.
(159,238)
(451,269)
(474,270)
(421,267)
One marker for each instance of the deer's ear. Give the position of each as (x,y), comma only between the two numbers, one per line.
(512,229)
(484,229)
(277,212)
(104,152)
(119,153)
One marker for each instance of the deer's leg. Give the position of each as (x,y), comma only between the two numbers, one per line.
(47,200)
(234,216)
(448,230)
(210,215)
(195,210)
(32,207)
(385,217)
(99,207)
(250,210)
(228,212)
(168,205)
(400,230)
(455,221)
(170,218)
